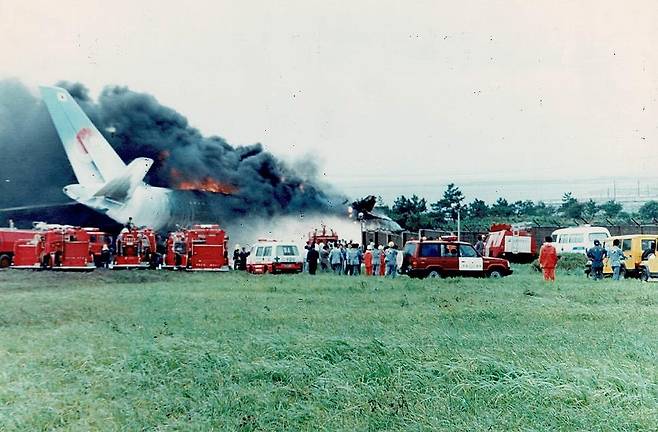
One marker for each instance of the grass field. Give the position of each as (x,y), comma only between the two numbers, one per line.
(169,351)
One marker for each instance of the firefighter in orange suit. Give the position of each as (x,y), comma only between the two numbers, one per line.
(367,259)
(548,259)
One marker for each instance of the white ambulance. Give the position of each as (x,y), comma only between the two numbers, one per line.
(271,256)
(578,239)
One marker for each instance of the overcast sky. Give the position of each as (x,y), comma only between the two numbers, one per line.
(384,93)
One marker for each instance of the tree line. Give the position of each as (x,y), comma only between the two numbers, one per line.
(414,213)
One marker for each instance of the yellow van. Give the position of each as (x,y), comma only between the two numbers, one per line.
(636,248)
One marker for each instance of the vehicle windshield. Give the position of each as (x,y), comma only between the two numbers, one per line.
(287,250)
(409,249)
(259,251)
(467,251)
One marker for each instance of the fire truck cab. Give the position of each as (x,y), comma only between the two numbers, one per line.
(55,248)
(8,239)
(97,239)
(134,248)
(200,248)
(270,256)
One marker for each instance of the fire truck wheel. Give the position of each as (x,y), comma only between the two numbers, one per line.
(495,274)
(5,261)
(434,274)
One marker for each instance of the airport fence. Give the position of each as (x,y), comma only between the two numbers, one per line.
(538,232)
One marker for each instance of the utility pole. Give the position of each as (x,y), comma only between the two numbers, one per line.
(614,190)
(459,224)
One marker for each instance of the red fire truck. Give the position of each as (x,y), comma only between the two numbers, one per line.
(8,238)
(97,239)
(512,242)
(322,236)
(134,248)
(200,248)
(57,247)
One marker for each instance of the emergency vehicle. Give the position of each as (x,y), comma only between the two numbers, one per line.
(200,248)
(578,239)
(270,256)
(57,247)
(512,242)
(449,257)
(323,236)
(97,239)
(135,248)
(8,238)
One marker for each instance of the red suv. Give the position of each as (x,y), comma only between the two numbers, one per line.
(442,258)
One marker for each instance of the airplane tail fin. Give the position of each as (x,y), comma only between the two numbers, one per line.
(92,158)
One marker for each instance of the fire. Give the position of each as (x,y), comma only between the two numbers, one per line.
(207,184)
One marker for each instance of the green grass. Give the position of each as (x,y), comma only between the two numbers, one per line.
(169,351)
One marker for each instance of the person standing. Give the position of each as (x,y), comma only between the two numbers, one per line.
(352,258)
(391,260)
(324,258)
(335,259)
(548,259)
(236,257)
(312,257)
(367,259)
(596,255)
(479,245)
(343,256)
(242,259)
(376,254)
(382,261)
(356,267)
(616,257)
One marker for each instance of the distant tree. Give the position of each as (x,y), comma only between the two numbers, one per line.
(451,202)
(502,208)
(567,200)
(590,208)
(611,208)
(623,215)
(478,209)
(649,210)
(570,207)
(543,210)
(525,208)
(408,212)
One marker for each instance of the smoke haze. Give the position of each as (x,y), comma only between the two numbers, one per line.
(35,168)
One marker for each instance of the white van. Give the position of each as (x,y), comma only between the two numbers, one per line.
(270,256)
(578,239)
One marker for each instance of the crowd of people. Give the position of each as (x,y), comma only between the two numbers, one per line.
(341,258)
(597,255)
(348,258)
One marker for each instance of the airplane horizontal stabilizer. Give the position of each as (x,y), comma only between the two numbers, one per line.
(120,188)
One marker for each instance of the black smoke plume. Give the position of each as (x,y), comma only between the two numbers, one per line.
(34,167)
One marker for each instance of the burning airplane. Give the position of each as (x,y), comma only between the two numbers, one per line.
(118,190)
(172,174)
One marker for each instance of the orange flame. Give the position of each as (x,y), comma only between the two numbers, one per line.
(207,184)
